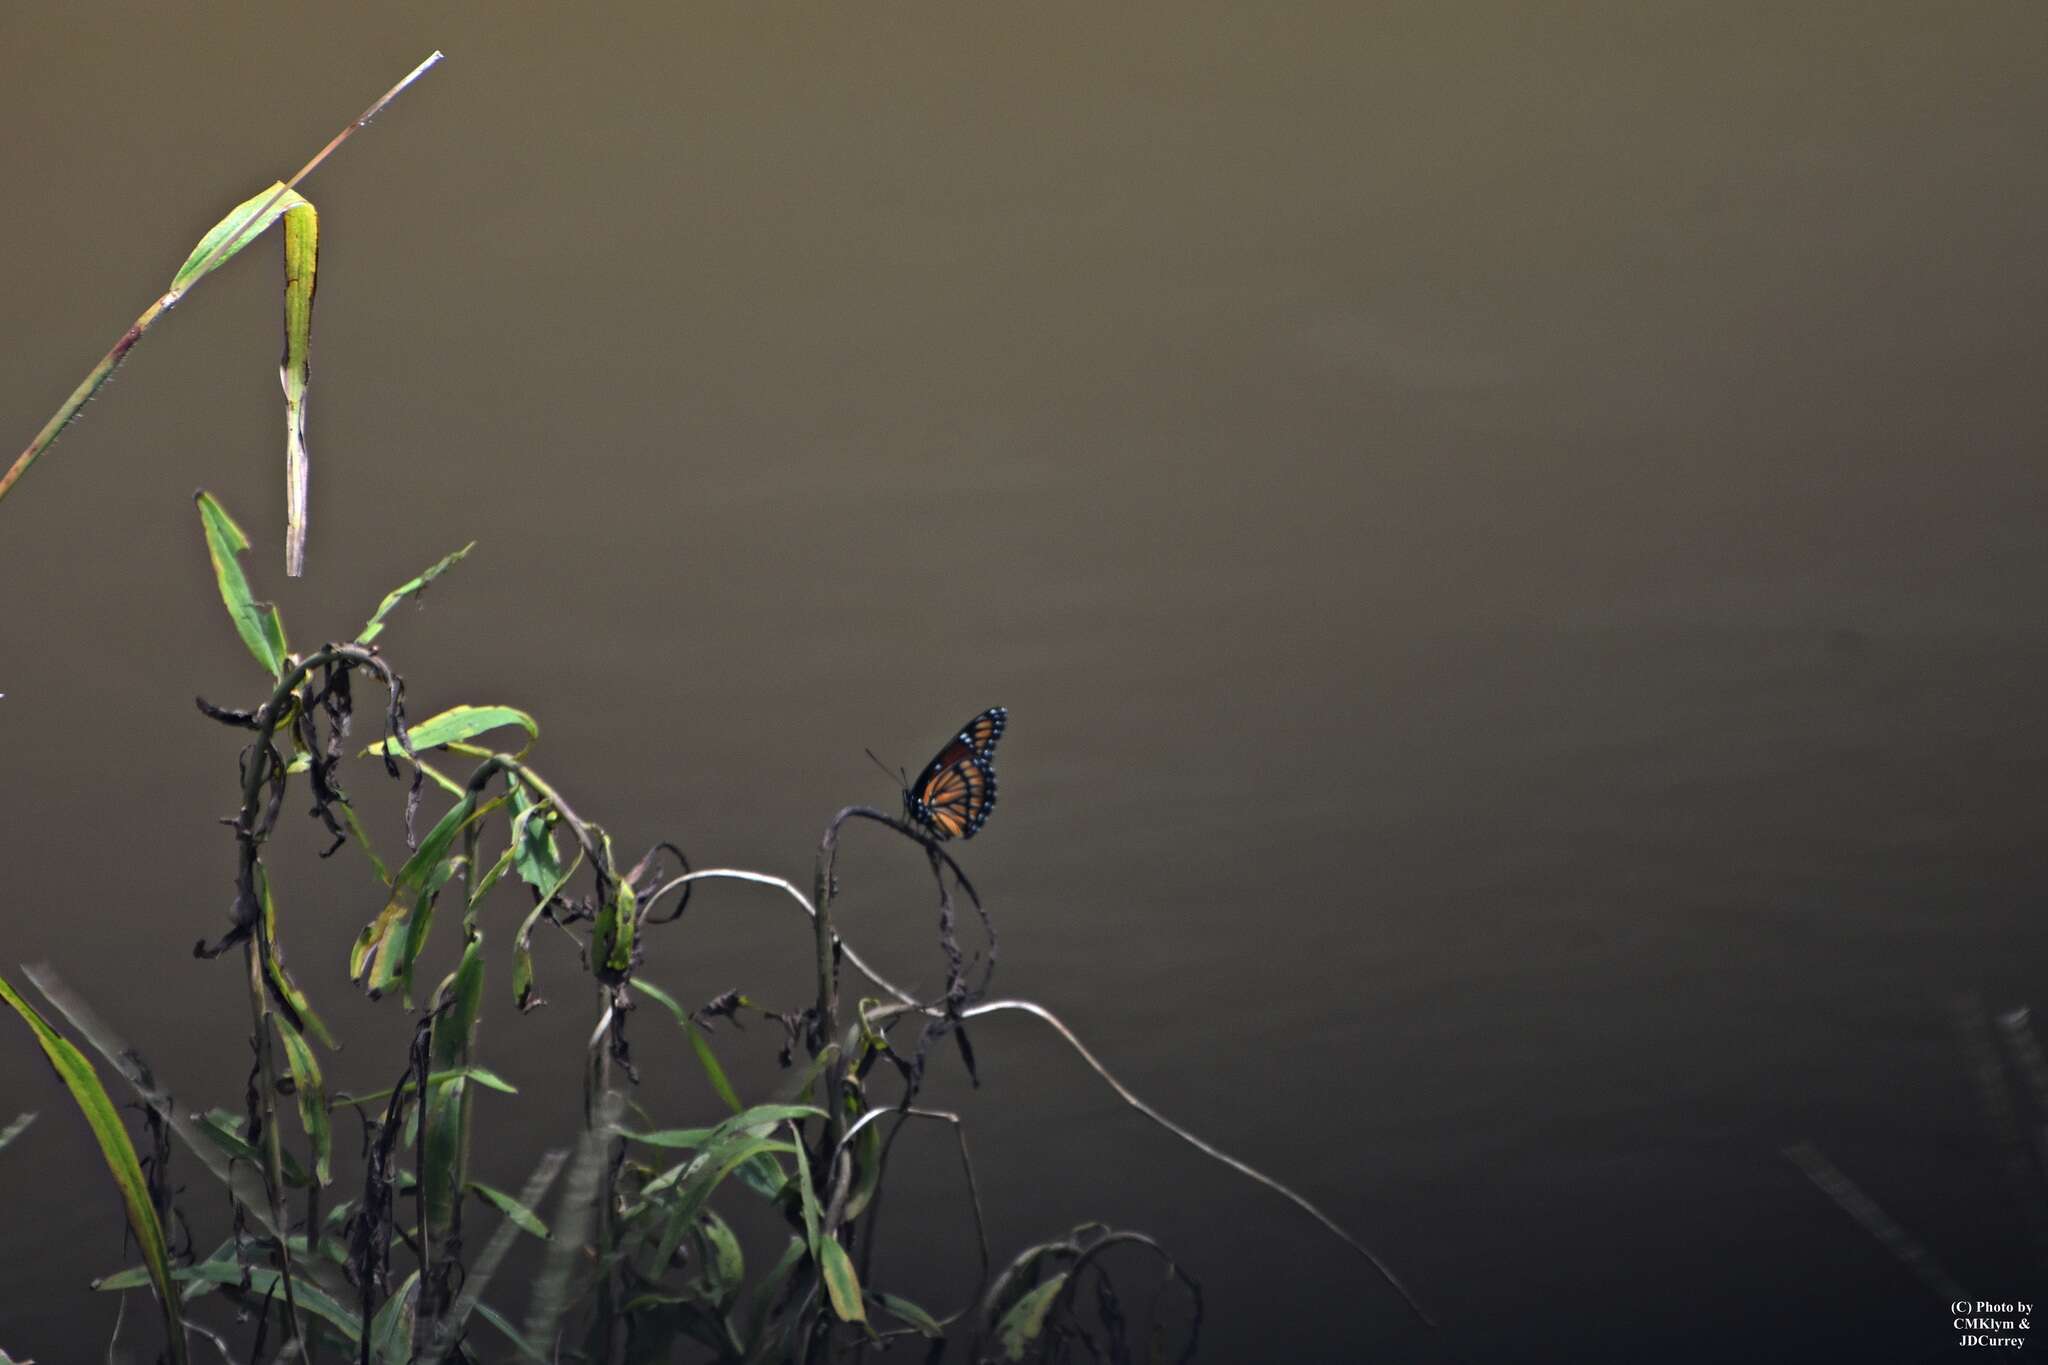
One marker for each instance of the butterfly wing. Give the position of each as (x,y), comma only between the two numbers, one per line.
(954,794)
(981,733)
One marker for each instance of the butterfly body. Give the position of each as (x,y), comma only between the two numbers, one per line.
(954,794)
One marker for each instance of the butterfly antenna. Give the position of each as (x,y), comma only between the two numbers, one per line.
(899,774)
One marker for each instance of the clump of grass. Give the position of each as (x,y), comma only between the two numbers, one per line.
(377,1255)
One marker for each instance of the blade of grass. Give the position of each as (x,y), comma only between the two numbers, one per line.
(301,265)
(258,623)
(104,1120)
(375,625)
(16,1128)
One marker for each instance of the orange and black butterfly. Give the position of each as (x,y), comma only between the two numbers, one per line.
(957,789)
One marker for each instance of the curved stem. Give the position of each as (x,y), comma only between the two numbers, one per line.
(905,1003)
(1207,1149)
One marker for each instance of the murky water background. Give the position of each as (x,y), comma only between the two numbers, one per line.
(1511,539)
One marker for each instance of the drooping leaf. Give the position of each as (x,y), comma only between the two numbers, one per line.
(104,1120)
(522,946)
(301,264)
(375,626)
(258,623)
(926,1325)
(417,926)
(724,1264)
(867,1165)
(523,1218)
(222,1131)
(280,978)
(842,1285)
(538,860)
(458,723)
(362,839)
(1021,1326)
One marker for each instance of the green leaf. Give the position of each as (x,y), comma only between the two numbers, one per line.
(699,1044)
(417,926)
(256,622)
(391,1331)
(1026,1318)
(698,1179)
(522,946)
(16,1128)
(312,1096)
(245,222)
(375,626)
(538,861)
(453,1035)
(522,1217)
(458,723)
(724,1264)
(478,1277)
(389,945)
(924,1322)
(104,1120)
(867,1166)
(687,1139)
(362,838)
(301,262)
(842,1285)
(274,968)
(509,1332)
(807,1195)
(611,938)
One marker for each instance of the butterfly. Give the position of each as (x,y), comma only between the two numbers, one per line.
(957,789)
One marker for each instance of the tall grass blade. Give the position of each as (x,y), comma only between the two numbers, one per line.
(105,1122)
(699,1044)
(375,626)
(2001,1115)
(311,1091)
(239,1176)
(301,264)
(1874,1220)
(552,1291)
(258,623)
(518,1217)
(16,1128)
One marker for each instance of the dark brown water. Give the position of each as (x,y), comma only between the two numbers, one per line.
(1511,539)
